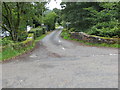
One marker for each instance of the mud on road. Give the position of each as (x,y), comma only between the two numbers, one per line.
(59,63)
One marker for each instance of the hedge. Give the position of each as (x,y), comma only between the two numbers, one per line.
(37,32)
(20,45)
(32,34)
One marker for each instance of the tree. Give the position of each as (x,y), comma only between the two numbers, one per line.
(39,9)
(50,20)
(17,15)
(74,13)
(59,18)
(98,17)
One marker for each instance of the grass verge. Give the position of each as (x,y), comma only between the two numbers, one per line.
(66,35)
(10,53)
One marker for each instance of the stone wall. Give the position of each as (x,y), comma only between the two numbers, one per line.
(93,39)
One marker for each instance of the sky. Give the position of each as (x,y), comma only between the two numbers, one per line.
(54,4)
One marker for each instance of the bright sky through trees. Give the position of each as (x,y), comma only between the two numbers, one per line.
(54,4)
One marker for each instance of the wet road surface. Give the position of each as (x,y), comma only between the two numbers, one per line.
(59,63)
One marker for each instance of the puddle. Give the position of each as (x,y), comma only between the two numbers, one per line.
(54,55)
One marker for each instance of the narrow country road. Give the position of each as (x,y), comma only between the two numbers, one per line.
(59,63)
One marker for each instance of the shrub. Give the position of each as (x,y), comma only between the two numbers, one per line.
(65,30)
(105,29)
(16,49)
(5,41)
(31,35)
(27,42)
(65,34)
(33,32)
(44,29)
(72,30)
(23,44)
(37,32)
(22,36)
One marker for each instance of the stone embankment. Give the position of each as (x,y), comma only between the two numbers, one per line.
(93,39)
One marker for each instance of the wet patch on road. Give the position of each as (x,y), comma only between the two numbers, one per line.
(55,55)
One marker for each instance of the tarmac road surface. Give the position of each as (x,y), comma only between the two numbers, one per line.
(59,63)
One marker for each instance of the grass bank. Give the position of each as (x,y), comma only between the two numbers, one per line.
(10,52)
(66,35)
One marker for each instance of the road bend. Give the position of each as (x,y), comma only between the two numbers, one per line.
(59,63)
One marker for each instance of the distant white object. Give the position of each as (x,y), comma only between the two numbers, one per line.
(60,27)
(28,28)
(29,37)
(54,4)
(42,24)
(4,34)
(59,41)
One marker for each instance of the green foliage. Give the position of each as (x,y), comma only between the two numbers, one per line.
(105,29)
(59,14)
(7,53)
(65,34)
(50,20)
(17,15)
(98,18)
(31,35)
(22,36)
(44,29)
(10,51)
(16,49)
(37,32)
(5,42)
(72,30)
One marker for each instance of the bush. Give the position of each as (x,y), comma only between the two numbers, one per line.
(65,30)
(18,45)
(27,42)
(5,41)
(44,30)
(105,29)
(33,32)
(24,44)
(31,35)
(65,34)
(37,32)
(72,30)
(22,36)
(16,49)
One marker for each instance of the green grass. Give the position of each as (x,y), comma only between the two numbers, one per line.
(39,38)
(9,52)
(66,36)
